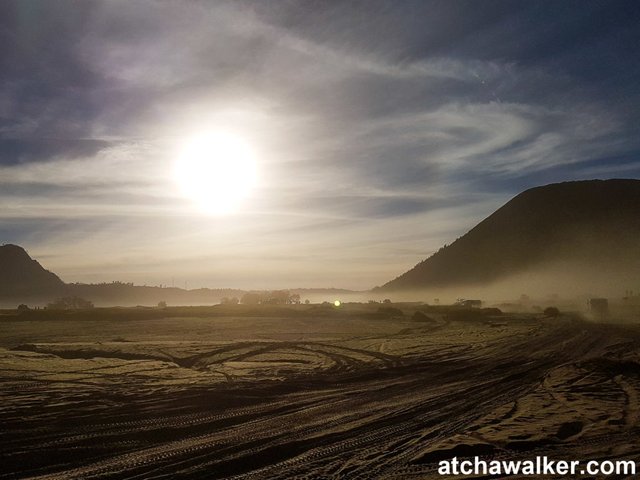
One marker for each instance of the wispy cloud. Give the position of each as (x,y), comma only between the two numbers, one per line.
(383,130)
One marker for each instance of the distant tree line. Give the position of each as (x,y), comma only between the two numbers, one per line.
(275,297)
(115,282)
(70,303)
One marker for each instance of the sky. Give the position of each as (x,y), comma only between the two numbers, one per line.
(381,130)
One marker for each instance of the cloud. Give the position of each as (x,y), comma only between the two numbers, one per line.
(20,150)
(383,130)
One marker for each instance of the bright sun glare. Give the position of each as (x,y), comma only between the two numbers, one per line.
(216,171)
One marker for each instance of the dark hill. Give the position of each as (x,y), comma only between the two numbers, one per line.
(595,223)
(21,275)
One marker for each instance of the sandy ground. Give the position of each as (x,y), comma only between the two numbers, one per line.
(310,398)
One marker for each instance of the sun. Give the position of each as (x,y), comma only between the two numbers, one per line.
(217,171)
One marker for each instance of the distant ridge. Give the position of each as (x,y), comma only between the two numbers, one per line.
(24,280)
(21,275)
(594,222)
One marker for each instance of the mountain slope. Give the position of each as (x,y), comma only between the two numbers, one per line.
(20,274)
(595,222)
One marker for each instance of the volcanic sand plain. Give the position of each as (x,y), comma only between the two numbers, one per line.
(309,393)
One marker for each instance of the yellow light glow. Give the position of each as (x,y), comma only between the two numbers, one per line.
(337,303)
(216,171)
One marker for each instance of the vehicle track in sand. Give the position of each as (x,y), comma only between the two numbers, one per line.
(368,414)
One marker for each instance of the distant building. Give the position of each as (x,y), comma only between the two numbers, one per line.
(470,303)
